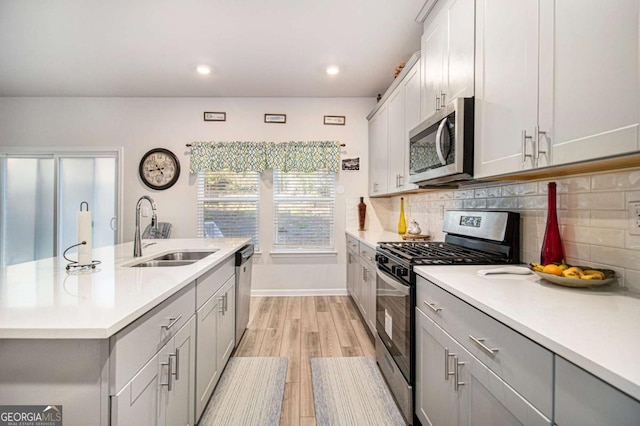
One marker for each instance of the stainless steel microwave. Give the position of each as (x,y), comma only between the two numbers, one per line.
(441,147)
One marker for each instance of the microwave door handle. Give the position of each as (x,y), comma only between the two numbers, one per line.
(441,127)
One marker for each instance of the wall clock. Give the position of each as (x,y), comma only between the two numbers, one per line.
(159,168)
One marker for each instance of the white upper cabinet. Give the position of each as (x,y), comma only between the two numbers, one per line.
(447,55)
(389,127)
(378,142)
(506,86)
(557,82)
(589,76)
(404,115)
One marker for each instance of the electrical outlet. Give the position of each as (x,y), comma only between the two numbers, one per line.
(145,211)
(634,217)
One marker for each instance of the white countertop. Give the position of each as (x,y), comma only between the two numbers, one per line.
(41,300)
(596,329)
(372,238)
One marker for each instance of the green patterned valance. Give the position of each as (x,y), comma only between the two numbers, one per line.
(259,156)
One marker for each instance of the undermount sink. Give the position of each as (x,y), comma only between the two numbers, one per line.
(174,258)
(185,255)
(160,263)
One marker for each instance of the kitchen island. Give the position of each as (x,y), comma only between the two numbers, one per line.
(61,332)
(586,340)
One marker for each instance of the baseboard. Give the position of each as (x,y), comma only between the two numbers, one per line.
(301,292)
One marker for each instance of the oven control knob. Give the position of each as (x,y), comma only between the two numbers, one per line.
(381,259)
(402,272)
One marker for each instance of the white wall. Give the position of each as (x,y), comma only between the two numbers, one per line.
(139,124)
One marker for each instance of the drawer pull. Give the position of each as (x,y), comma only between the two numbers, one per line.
(172,321)
(176,373)
(169,373)
(432,306)
(487,349)
(456,373)
(447,355)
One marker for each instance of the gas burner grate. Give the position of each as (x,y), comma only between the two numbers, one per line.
(440,253)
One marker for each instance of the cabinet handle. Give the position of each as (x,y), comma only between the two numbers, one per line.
(168,364)
(177,357)
(538,151)
(221,301)
(432,306)
(437,103)
(442,96)
(456,373)
(172,321)
(524,146)
(447,355)
(489,351)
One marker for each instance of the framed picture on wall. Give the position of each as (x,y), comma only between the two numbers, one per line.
(275,118)
(215,116)
(335,120)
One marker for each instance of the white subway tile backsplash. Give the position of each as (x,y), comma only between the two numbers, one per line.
(624,258)
(481,193)
(632,279)
(616,181)
(575,250)
(532,202)
(494,191)
(463,194)
(476,203)
(618,219)
(592,213)
(453,204)
(567,185)
(592,201)
(502,203)
(597,236)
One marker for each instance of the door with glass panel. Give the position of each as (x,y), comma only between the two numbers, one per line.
(40,200)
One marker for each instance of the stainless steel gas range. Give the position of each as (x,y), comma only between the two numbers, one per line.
(473,237)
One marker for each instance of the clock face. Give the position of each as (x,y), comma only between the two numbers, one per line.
(159,168)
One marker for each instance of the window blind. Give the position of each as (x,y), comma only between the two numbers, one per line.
(304,207)
(228,205)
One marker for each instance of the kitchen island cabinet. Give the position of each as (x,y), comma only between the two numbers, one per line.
(579,327)
(92,340)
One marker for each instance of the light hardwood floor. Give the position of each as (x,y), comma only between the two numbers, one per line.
(302,328)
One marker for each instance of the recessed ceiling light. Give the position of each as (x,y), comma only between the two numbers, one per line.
(203,69)
(333,70)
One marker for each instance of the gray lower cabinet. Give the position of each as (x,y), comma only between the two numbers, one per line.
(361,279)
(216,340)
(582,399)
(454,388)
(162,391)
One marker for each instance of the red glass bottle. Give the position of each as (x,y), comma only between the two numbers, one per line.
(362,212)
(552,244)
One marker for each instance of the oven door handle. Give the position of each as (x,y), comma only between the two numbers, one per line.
(441,155)
(393,282)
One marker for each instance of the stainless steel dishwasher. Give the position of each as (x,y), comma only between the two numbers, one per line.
(244,262)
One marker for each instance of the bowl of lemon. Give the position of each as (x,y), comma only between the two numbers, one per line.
(574,276)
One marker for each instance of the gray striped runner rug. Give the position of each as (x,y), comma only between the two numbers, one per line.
(351,391)
(250,392)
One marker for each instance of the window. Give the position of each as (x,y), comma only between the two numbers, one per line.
(40,195)
(303,205)
(228,205)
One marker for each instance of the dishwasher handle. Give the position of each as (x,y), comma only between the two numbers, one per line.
(244,254)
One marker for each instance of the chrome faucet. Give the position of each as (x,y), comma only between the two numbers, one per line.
(137,242)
